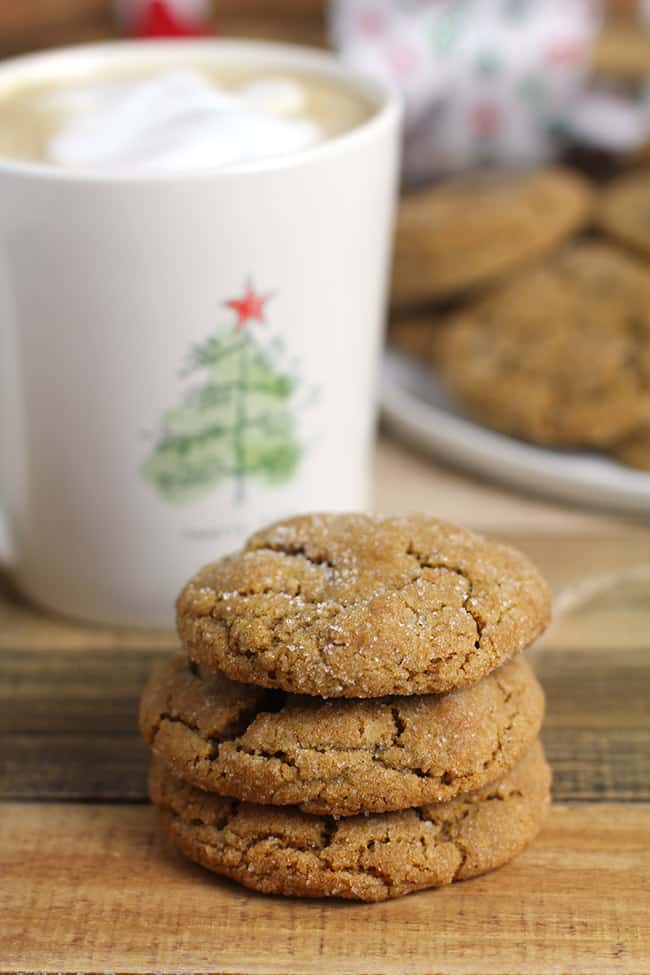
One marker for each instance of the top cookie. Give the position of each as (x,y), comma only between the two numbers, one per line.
(624,211)
(462,235)
(560,355)
(358,606)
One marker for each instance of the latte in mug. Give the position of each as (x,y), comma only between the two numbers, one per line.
(194,239)
(180,116)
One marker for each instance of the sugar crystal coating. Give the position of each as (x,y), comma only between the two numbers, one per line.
(360,606)
(338,757)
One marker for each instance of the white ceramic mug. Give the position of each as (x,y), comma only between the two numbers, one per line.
(143,432)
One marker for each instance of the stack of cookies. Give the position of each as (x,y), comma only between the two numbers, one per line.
(349,717)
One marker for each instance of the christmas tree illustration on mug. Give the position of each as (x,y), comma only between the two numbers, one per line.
(238,423)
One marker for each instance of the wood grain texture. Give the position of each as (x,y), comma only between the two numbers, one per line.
(96,889)
(68,724)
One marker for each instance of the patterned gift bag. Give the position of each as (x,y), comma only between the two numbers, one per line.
(485,82)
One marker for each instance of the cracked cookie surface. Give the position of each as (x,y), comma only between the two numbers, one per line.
(560,355)
(338,757)
(461,235)
(361,606)
(370,858)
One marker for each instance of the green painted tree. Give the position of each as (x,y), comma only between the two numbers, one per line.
(236,424)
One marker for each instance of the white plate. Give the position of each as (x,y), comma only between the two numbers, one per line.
(415,406)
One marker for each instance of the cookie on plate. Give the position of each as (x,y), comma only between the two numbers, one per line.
(561,354)
(624,211)
(368,858)
(414,337)
(458,236)
(358,606)
(338,757)
(634,450)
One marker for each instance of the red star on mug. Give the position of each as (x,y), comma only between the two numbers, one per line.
(250,306)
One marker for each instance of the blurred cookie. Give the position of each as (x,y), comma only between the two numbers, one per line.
(561,354)
(624,211)
(414,337)
(461,235)
(635,450)
(368,858)
(338,757)
(351,605)
(622,52)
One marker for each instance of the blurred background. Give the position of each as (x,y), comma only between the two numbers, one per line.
(36,24)
(71,692)
(524,108)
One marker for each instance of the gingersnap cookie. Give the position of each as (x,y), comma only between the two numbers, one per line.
(624,211)
(561,354)
(368,858)
(338,757)
(359,606)
(461,235)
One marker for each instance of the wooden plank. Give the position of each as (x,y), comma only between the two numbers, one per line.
(96,889)
(108,768)
(68,724)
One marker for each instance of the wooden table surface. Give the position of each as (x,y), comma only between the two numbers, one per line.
(87,883)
